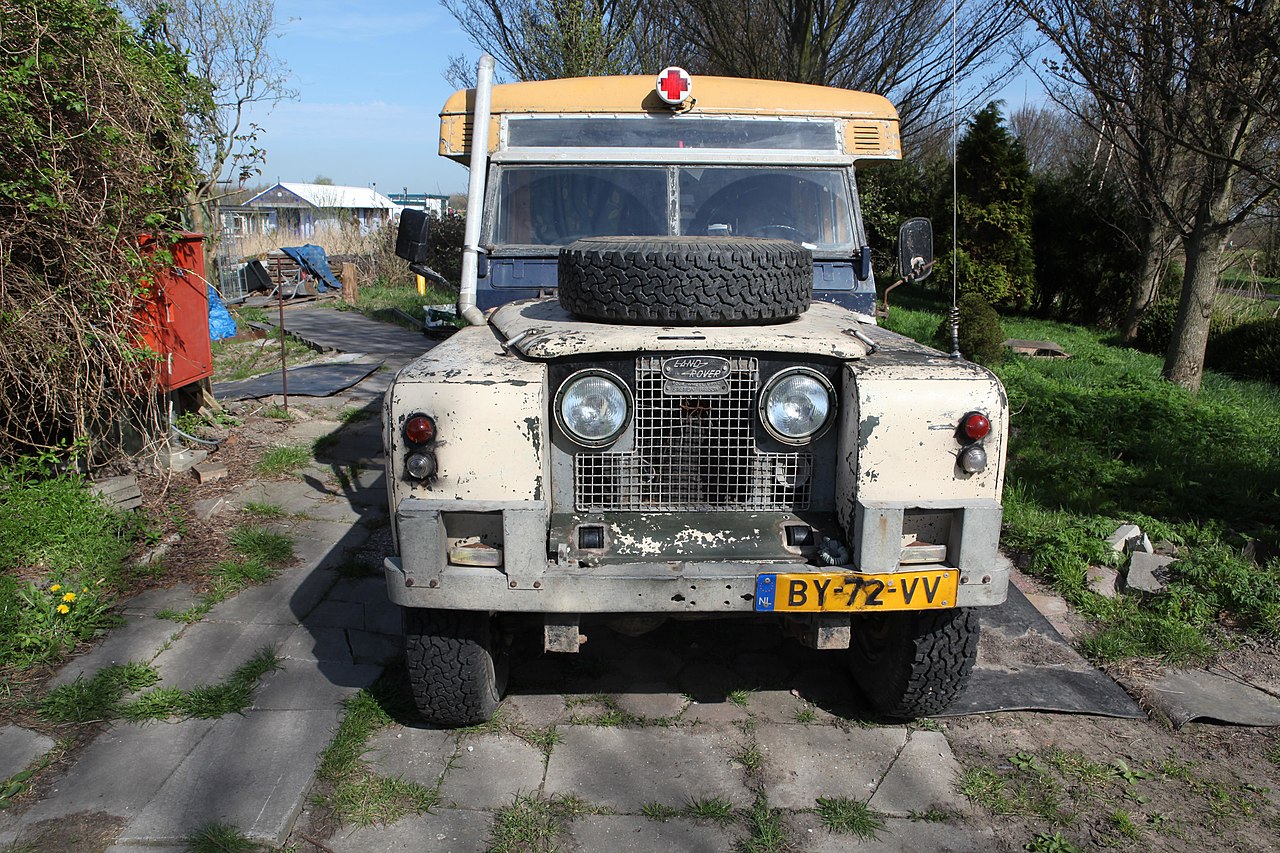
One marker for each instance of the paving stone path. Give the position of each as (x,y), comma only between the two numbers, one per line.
(695,712)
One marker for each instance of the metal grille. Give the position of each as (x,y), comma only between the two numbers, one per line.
(693,454)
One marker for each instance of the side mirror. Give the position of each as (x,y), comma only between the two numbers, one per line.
(915,249)
(411,236)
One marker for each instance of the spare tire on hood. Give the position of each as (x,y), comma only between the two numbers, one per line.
(685,281)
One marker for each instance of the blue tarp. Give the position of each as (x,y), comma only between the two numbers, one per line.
(220,323)
(313,259)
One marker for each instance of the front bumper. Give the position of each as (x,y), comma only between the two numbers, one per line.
(664,581)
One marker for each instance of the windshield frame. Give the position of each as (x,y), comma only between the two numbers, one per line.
(841,172)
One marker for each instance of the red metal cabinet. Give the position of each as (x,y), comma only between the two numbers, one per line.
(173,316)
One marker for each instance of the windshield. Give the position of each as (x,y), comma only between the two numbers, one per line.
(555,205)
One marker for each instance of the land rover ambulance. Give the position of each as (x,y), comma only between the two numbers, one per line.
(671,399)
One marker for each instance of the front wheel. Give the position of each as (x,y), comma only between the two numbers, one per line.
(456,677)
(914,663)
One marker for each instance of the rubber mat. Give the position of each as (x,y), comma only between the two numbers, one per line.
(313,380)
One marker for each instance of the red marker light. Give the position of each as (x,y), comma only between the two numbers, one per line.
(975,425)
(420,429)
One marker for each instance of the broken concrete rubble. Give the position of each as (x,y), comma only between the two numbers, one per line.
(1147,572)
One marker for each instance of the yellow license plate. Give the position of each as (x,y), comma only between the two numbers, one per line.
(848,591)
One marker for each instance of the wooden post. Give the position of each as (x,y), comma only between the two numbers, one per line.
(350,288)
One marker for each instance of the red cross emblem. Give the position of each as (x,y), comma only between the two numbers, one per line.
(674,85)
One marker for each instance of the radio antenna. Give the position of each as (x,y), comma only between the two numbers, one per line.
(955,194)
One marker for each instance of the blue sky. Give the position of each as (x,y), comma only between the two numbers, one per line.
(370,87)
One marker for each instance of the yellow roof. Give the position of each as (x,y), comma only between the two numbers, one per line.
(871,122)
(717,95)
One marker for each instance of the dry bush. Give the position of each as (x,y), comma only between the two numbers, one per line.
(93,152)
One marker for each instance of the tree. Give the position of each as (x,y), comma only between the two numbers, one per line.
(994,255)
(227,45)
(1188,94)
(898,48)
(322,180)
(1053,138)
(546,39)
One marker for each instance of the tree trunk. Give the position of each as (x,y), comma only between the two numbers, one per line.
(1184,363)
(1155,256)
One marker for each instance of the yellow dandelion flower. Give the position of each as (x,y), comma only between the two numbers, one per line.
(62,608)
(55,587)
(69,597)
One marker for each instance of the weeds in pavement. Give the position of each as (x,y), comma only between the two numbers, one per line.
(612,715)
(532,823)
(659,811)
(750,756)
(325,443)
(219,838)
(849,817)
(279,461)
(264,510)
(353,415)
(350,789)
(102,696)
(716,809)
(1045,842)
(263,552)
(804,715)
(766,830)
(739,697)
(260,544)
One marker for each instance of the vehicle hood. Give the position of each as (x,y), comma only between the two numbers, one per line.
(541,329)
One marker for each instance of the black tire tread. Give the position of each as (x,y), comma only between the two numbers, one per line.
(685,280)
(929,666)
(452,672)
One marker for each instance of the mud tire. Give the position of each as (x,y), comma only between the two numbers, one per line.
(455,676)
(913,664)
(685,281)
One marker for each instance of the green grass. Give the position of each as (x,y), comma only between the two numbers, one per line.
(53,529)
(353,415)
(1100,439)
(259,543)
(532,823)
(282,460)
(750,756)
(849,817)
(233,360)
(740,697)
(219,838)
(659,811)
(262,551)
(102,696)
(377,301)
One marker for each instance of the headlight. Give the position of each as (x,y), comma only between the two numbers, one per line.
(593,407)
(797,404)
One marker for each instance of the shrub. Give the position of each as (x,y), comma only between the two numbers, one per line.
(1250,350)
(981,334)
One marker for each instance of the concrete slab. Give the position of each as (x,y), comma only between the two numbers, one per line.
(1103,580)
(140,639)
(714,714)
(898,836)
(775,706)
(368,647)
(626,768)
(301,685)
(652,701)
(208,652)
(538,710)
(286,600)
(922,778)
(489,770)
(120,770)
(336,614)
(178,597)
(19,747)
(448,831)
(638,834)
(802,763)
(416,754)
(329,645)
(251,772)
(1147,572)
